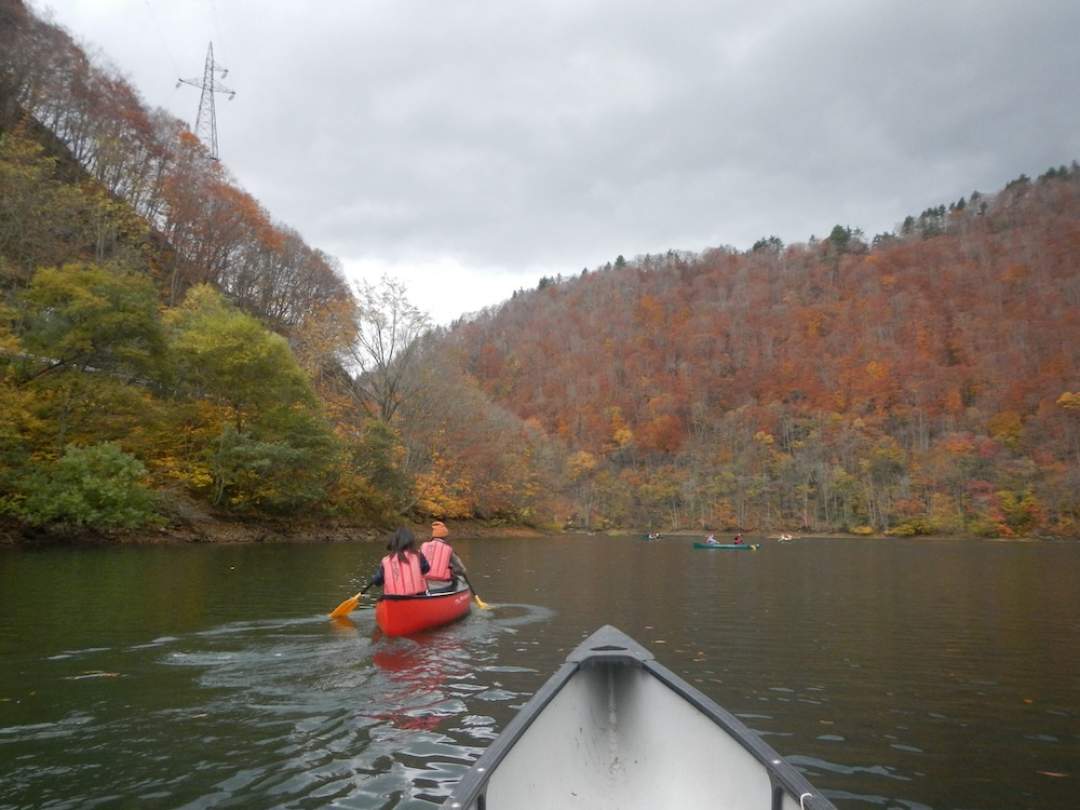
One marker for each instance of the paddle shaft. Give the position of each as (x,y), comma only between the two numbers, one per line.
(480,603)
(465,577)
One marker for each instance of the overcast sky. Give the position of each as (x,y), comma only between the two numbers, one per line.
(469,148)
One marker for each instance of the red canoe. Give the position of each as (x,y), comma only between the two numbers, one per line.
(405,615)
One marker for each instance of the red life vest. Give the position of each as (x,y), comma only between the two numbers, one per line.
(438,556)
(402,578)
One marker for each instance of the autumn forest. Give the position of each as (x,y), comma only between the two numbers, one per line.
(167,346)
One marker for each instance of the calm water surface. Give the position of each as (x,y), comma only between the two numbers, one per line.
(894,674)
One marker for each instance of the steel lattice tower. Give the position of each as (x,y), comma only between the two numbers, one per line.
(206,118)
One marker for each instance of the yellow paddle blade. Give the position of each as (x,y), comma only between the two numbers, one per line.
(480,603)
(346,607)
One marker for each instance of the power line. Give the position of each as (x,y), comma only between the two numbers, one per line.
(161,36)
(206,118)
(217,25)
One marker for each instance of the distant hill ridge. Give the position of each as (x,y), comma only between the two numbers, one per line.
(785,370)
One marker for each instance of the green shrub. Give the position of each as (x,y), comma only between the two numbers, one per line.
(281,473)
(986,527)
(97,487)
(903,530)
(911,528)
(1021,511)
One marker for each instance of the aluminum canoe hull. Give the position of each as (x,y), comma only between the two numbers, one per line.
(611,729)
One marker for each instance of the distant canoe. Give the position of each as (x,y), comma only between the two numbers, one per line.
(729,546)
(613,728)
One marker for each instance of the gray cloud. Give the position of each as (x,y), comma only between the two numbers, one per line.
(558,134)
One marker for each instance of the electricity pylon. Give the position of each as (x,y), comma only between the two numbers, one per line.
(206,119)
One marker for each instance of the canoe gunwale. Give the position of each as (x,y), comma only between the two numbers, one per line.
(729,546)
(472,786)
(609,645)
(419,597)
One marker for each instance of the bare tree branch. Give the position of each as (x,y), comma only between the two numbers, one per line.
(387,328)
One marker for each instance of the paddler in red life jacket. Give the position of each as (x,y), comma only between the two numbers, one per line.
(738,540)
(446,566)
(401,572)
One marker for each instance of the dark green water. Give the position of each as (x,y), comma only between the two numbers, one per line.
(906,674)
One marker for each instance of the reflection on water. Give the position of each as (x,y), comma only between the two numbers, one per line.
(901,674)
(353,718)
(308,710)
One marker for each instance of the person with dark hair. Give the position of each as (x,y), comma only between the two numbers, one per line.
(446,566)
(401,572)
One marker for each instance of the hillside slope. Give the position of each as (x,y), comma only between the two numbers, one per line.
(919,385)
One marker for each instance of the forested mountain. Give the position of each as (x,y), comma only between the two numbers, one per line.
(926,382)
(165,343)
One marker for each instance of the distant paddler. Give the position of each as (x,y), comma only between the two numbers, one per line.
(446,566)
(400,573)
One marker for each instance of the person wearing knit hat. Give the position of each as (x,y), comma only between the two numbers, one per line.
(446,566)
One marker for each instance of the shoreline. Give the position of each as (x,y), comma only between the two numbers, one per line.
(210,530)
(687,534)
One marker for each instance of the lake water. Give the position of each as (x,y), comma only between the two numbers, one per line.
(893,674)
